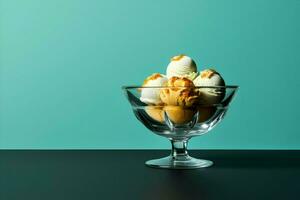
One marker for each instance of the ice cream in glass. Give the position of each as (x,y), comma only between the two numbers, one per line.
(179,105)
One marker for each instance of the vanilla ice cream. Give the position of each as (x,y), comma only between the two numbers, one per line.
(210,78)
(152,95)
(182,66)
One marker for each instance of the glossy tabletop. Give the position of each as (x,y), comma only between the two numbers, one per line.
(121,174)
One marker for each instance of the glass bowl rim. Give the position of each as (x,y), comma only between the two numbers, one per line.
(195,87)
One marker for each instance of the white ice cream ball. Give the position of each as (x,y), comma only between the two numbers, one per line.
(210,78)
(152,95)
(182,66)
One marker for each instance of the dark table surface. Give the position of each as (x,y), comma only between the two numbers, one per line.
(118,174)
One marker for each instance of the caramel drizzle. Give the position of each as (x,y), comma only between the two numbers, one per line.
(208,73)
(177,58)
(151,78)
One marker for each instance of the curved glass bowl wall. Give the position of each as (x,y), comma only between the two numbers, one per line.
(179,123)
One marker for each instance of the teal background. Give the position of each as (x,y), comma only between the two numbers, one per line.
(63,63)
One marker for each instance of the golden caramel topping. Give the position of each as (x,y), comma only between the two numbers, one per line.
(180,93)
(151,78)
(177,58)
(180,82)
(208,73)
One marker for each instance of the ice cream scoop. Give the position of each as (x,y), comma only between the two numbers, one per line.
(180,115)
(182,66)
(179,99)
(156,113)
(152,95)
(210,78)
(180,92)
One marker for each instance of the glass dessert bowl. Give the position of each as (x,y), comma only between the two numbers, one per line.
(181,116)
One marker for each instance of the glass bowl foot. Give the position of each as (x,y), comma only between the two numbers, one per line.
(180,162)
